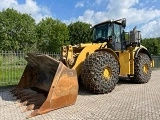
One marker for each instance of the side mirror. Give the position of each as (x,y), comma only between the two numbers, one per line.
(124,22)
(91,32)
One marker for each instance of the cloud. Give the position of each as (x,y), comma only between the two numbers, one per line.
(87,16)
(71,20)
(79,4)
(151,29)
(134,15)
(30,7)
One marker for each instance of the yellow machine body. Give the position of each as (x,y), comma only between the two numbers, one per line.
(77,54)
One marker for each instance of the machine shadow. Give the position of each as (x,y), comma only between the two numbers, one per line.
(83,90)
(122,80)
(5,93)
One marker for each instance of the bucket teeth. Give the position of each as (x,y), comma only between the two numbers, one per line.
(24,95)
(29,107)
(34,113)
(18,101)
(23,104)
(24,98)
(35,103)
(29,98)
(37,100)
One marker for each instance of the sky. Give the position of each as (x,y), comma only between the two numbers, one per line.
(145,14)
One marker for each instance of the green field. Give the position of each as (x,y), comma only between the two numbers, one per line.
(10,76)
(11,69)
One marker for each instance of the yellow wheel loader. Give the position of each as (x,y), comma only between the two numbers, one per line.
(48,84)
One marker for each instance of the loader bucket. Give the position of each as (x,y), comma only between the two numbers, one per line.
(46,84)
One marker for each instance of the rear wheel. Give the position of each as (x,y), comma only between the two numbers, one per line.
(100,72)
(142,70)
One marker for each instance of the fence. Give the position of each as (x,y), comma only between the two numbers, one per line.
(12,65)
(156,61)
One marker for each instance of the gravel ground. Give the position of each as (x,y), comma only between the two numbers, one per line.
(127,101)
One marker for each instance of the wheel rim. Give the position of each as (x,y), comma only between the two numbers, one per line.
(145,68)
(107,72)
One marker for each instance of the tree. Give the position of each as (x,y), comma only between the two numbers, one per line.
(17,31)
(51,34)
(152,44)
(79,32)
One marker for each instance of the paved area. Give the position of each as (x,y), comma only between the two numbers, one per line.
(127,101)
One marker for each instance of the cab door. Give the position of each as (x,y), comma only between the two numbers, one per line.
(117,37)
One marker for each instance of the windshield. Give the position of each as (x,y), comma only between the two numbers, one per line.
(102,32)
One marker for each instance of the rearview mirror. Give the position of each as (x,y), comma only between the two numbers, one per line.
(124,22)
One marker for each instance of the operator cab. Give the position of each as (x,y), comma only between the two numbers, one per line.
(111,32)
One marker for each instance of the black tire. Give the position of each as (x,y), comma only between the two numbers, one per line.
(140,75)
(92,72)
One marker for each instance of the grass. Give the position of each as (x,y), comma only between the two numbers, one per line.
(10,76)
(11,69)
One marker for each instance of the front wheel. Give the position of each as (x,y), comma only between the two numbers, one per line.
(100,72)
(142,69)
